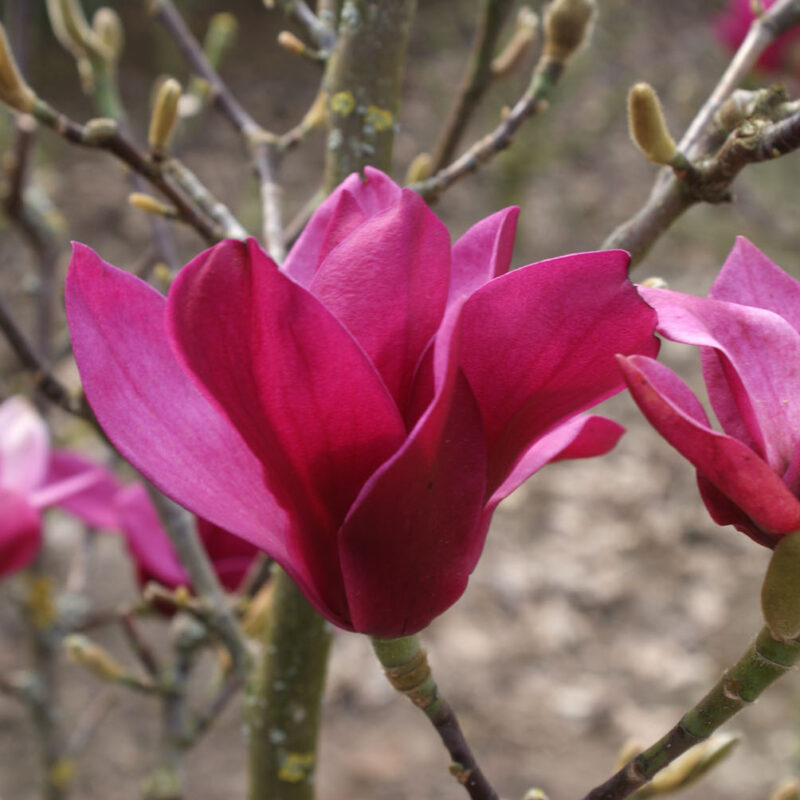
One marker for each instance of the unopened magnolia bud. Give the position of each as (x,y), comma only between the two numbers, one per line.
(789,790)
(288,41)
(108,29)
(780,594)
(96,659)
(220,35)
(151,205)
(165,115)
(521,40)
(100,130)
(74,25)
(691,766)
(420,168)
(655,283)
(647,126)
(14,92)
(629,750)
(567,24)
(535,794)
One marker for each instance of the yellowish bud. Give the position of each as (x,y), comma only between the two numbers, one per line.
(691,766)
(780,593)
(535,794)
(63,773)
(75,26)
(14,92)
(521,41)
(567,24)
(100,130)
(165,115)
(647,126)
(289,42)
(83,651)
(220,36)
(182,597)
(629,750)
(40,601)
(420,168)
(789,790)
(655,283)
(316,114)
(107,27)
(151,205)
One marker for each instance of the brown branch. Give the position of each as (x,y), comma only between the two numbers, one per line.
(476,80)
(544,80)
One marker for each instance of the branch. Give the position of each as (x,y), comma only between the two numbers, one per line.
(667,200)
(476,81)
(406,666)
(545,77)
(320,30)
(762,664)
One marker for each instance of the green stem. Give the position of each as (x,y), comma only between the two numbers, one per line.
(406,666)
(283,698)
(363,81)
(762,664)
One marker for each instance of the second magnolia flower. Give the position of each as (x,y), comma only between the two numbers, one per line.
(359,413)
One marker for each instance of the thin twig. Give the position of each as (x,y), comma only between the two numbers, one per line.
(477,79)
(322,34)
(544,80)
(205,718)
(89,722)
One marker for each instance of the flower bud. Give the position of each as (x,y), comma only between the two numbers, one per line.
(100,130)
(629,750)
(107,27)
(96,659)
(14,92)
(525,31)
(150,205)
(647,126)
(420,168)
(780,598)
(165,115)
(789,790)
(535,794)
(567,24)
(220,36)
(72,24)
(692,765)
(289,42)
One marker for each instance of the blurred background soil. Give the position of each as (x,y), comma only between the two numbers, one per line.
(607,601)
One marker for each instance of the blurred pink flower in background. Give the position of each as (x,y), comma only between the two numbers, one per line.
(154,555)
(733,24)
(33,477)
(359,413)
(748,331)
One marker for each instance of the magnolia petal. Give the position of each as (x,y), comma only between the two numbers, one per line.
(20,532)
(387,284)
(580,437)
(539,343)
(147,540)
(24,445)
(752,370)
(732,467)
(95,502)
(295,384)
(483,252)
(372,194)
(151,409)
(231,555)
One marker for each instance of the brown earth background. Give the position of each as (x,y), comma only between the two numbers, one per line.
(607,601)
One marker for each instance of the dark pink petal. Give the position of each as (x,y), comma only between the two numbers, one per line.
(231,555)
(538,347)
(354,200)
(24,445)
(95,504)
(152,411)
(579,437)
(294,383)
(147,540)
(749,278)
(732,467)
(483,252)
(412,539)
(753,375)
(387,284)
(20,532)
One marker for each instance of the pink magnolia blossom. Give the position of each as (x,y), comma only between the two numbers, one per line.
(34,477)
(748,331)
(733,24)
(156,559)
(360,412)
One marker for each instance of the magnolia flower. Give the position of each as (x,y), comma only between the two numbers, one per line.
(34,477)
(733,24)
(359,413)
(156,559)
(749,334)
